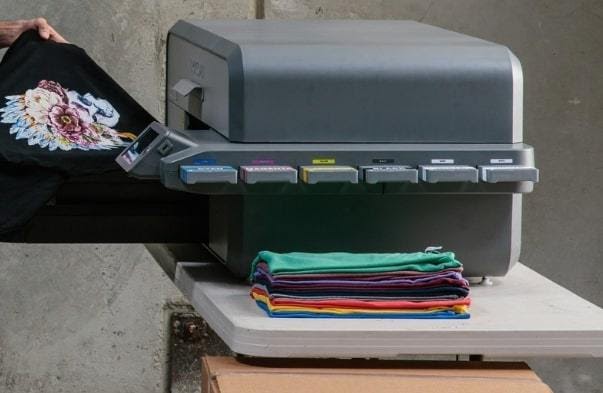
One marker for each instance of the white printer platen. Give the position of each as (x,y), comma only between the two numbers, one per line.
(523,314)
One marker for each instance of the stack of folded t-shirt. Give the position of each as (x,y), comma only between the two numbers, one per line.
(343,285)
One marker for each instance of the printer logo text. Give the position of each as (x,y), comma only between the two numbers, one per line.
(197,68)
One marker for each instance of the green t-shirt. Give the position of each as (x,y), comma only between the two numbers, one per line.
(343,262)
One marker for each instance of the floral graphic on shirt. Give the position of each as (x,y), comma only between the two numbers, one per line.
(52,117)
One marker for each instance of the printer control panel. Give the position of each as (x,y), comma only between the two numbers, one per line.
(313,174)
(204,161)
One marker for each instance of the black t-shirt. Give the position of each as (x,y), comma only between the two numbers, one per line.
(61,115)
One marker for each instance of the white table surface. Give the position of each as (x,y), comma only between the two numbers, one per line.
(523,314)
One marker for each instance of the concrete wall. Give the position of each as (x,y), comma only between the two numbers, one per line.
(81,319)
(65,323)
(126,37)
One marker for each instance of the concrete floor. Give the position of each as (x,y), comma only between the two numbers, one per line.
(82,318)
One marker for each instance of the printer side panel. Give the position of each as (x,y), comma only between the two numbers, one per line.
(517,73)
(204,84)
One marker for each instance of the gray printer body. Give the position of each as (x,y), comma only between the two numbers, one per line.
(360,136)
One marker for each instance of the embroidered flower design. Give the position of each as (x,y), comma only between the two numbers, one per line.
(53,117)
(38,102)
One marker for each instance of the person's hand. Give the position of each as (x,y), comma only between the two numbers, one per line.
(11,29)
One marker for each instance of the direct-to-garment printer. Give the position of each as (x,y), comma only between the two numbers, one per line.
(359,136)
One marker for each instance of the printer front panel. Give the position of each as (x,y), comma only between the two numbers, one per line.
(372,94)
(228,168)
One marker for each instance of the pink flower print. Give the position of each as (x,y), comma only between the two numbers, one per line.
(66,121)
(54,87)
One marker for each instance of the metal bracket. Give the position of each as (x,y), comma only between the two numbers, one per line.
(188,96)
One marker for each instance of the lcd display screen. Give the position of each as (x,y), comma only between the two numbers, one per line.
(139,145)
